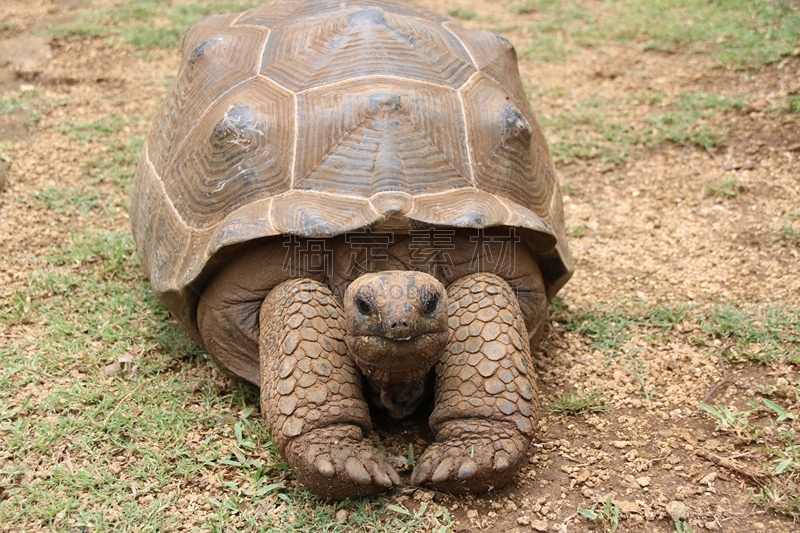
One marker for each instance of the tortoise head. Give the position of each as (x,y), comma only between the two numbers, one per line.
(396,325)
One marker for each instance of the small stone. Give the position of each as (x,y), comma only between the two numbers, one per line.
(539,525)
(523,521)
(758,105)
(677,510)
(582,477)
(619,444)
(643,481)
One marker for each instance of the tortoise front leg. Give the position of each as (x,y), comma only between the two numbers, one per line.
(485,396)
(311,395)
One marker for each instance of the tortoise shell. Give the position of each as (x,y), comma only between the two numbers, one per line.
(317,118)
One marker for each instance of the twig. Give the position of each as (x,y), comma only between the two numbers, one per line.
(122,400)
(68,461)
(725,378)
(569,457)
(731,465)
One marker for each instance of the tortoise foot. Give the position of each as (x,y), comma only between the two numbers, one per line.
(334,462)
(473,456)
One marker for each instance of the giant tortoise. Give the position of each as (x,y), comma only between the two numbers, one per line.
(350,201)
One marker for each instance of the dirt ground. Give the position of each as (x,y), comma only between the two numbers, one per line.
(655,235)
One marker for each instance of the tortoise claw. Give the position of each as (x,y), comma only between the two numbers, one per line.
(472,463)
(334,462)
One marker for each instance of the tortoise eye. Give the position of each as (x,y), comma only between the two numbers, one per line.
(363,306)
(430,303)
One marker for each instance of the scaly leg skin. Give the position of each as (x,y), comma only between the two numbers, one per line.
(485,397)
(311,395)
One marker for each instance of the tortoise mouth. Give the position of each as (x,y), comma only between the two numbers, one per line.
(392,361)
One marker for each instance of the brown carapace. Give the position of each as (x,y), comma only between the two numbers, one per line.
(347,201)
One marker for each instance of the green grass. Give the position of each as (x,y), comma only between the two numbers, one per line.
(113,162)
(575,404)
(739,33)
(96,131)
(30,105)
(557,34)
(85,449)
(774,425)
(608,514)
(793,104)
(72,201)
(461,13)
(787,236)
(146,24)
(578,231)
(762,333)
(730,187)
(610,130)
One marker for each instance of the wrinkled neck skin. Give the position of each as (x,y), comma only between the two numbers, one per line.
(402,399)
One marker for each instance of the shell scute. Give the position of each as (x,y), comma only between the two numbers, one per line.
(209,67)
(363,41)
(367,138)
(238,153)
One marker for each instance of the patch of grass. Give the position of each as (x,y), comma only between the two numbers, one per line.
(461,13)
(73,201)
(741,33)
(730,187)
(596,128)
(559,30)
(610,327)
(578,231)
(774,427)
(787,235)
(30,105)
(759,333)
(607,129)
(793,104)
(116,164)
(608,515)
(692,121)
(762,333)
(116,159)
(779,437)
(532,6)
(82,447)
(783,498)
(575,404)
(84,132)
(146,24)
(299,511)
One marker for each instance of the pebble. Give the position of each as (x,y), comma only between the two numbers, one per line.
(643,481)
(677,510)
(539,525)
